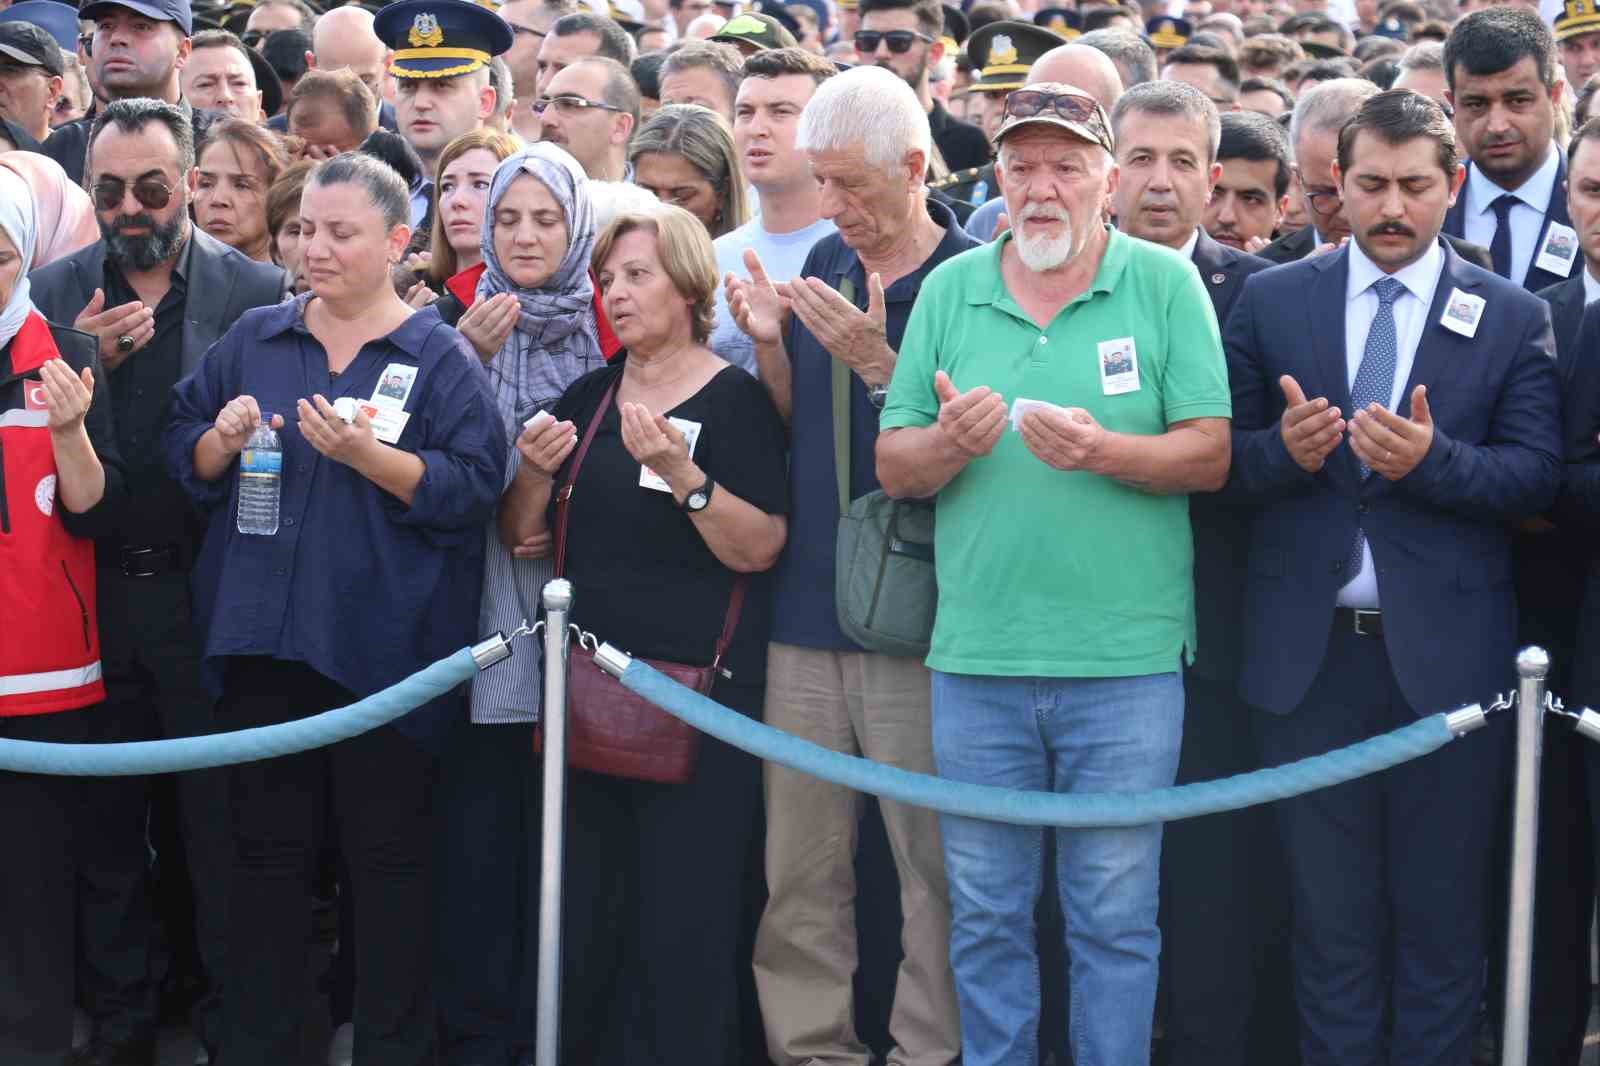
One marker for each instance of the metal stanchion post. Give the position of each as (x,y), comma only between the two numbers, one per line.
(1533,666)
(557,604)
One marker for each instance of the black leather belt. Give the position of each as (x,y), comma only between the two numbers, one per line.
(1359,620)
(149,561)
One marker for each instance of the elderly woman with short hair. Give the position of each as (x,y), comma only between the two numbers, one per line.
(679,500)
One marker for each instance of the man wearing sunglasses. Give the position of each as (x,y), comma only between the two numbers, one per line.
(1061,631)
(156,292)
(903,36)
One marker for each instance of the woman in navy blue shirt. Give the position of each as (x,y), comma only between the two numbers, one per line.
(374,572)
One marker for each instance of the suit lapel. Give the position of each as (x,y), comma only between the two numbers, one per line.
(1325,311)
(1217,274)
(209,295)
(1437,346)
(1555,212)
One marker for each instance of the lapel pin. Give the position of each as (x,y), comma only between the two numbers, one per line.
(1218,279)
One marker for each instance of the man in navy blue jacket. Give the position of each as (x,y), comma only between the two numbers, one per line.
(1395,414)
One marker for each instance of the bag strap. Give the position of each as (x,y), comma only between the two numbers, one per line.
(730,621)
(841,413)
(564,496)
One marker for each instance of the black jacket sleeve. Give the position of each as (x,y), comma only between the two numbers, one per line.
(81,350)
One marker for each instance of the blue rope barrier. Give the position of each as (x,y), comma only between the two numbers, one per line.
(1072,810)
(244,745)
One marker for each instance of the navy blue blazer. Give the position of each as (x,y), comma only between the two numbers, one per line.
(1579,508)
(1441,536)
(1555,211)
(1220,525)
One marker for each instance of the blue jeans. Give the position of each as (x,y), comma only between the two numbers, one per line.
(1070,735)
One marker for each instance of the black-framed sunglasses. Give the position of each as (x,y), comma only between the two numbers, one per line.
(900,41)
(569,102)
(1324,201)
(529,30)
(152,193)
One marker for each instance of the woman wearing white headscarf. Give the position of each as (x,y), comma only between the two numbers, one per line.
(60,484)
(537,237)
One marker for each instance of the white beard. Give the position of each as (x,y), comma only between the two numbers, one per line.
(1045,253)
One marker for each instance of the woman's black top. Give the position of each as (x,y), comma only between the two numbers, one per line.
(644,579)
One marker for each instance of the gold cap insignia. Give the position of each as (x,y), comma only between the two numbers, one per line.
(1002,52)
(425,32)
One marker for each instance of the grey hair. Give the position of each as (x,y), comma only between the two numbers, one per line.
(612,198)
(1328,105)
(133,115)
(384,188)
(869,107)
(500,81)
(1131,53)
(1426,55)
(1169,98)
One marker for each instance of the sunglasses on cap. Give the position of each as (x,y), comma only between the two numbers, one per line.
(152,193)
(900,41)
(1029,103)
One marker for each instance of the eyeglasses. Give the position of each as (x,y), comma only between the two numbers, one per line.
(529,30)
(569,103)
(1084,110)
(152,193)
(1324,201)
(900,41)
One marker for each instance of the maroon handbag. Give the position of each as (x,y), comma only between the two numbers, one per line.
(610,730)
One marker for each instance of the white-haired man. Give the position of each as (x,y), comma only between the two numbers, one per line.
(868,142)
(1065,564)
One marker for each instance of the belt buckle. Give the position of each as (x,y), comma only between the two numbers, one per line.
(139,562)
(1358,614)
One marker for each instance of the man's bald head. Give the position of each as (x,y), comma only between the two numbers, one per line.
(343,39)
(1078,64)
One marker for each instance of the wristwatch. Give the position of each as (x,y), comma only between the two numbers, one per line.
(698,499)
(878,395)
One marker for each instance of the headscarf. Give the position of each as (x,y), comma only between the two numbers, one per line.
(17,219)
(555,341)
(63,211)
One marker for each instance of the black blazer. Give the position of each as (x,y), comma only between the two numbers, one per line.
(1441,536)
(1302,242)
(1555,211)
(1566,300)
(1221,527)
(1578,510)
(222,284)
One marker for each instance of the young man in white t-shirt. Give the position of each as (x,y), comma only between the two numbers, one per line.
(777,85)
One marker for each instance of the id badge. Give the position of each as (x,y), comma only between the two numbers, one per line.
(649,479)
(394,386)
(1462,313)
(1559,250)
(1119,367)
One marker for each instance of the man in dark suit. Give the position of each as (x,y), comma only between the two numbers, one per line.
(1166,134)
(1395,414)
(1314,131)
(1505,85)
(156,292)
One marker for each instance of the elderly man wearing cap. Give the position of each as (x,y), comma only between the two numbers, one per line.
(1056,659)
(31,70)
(441,53)
(138,49)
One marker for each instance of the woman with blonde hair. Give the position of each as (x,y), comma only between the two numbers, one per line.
(669,516)
(684,155)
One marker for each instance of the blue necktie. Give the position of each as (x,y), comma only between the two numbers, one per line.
(1375,382)
(1500,246)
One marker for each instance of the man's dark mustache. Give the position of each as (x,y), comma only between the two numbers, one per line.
(143,220)
(1387,229)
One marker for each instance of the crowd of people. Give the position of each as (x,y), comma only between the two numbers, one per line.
(1237,345)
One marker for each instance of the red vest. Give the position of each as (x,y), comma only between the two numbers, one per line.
(49,639)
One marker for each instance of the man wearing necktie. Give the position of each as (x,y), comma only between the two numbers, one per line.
(1395,415)
(1505,84)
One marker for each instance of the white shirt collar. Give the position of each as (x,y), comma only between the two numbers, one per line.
(1188,245)
(1535,192)
(1591,287)
(1420,278)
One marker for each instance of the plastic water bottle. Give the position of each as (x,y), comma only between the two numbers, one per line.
(260,480)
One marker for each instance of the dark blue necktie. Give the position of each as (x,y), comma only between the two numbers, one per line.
(1375,382)
(1500,247)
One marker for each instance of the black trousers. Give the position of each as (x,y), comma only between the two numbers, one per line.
(1221,914)
(380,787)
(154,688)
(39,838)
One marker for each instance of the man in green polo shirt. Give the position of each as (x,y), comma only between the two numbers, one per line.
(1060,391)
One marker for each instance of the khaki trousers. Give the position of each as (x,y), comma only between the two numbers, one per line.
(805,954)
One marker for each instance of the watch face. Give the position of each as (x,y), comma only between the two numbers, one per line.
(697,500)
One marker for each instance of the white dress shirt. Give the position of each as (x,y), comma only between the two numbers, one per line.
(1527,214)
(1410,319)
(1591,287)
